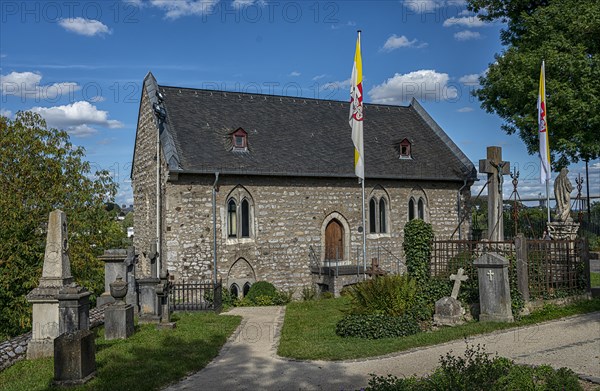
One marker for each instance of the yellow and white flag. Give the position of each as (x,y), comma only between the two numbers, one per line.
(356,112)
(543,130)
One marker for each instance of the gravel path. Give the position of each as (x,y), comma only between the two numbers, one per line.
(249,361)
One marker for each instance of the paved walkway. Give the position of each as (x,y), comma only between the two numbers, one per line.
(248,361)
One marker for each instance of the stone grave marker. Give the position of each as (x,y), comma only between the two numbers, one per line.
(118,317)
(448,310)
(56,274)
(495,169)
(494,289)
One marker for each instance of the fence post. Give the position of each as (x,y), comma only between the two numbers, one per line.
(584,256)
(522,265)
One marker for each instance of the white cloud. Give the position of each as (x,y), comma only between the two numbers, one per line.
(87,27)
(465,110)
(178,8)
(27,85)
(426,6)
(470,80)
(466,21)
(77,118)
(466,35)
(318,77)
(6,113)
(246,3)
(424,84)
(97,98)
(395,42)
(295,74)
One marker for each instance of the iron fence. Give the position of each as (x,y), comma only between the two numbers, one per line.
(196,296)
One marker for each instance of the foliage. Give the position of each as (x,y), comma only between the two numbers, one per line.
(564,33)
(261,288)
(426,296)
(376,326)
(308,331)
(127,221)
(40,170)
(476,371)
(327,295)
(309,293)
(418,237)
(150,359)
(389,295)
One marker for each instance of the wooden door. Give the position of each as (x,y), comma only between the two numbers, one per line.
(334,241)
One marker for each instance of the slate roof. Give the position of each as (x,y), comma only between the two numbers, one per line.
(301,137)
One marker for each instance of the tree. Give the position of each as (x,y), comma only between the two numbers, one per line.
(40,170)
(565,34)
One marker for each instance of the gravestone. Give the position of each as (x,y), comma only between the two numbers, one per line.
(494,288)
(118,316)
(119,263)
(56,274)
(495,169)
(448,310)
(163,293)
(75,347)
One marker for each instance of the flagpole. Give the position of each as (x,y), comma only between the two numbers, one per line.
(548,198)
(364,231)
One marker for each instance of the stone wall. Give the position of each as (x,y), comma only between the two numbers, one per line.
(288,216)
(15,349)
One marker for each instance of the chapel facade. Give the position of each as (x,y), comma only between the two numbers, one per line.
(268,182)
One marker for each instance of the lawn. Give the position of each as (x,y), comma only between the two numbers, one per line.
(595,280)
(149,360)
(309,331)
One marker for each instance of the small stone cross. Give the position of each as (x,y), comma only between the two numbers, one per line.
(490,274)
(458,278)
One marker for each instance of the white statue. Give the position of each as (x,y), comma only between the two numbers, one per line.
(562,193)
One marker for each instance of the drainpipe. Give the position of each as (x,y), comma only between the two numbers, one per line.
(214,212)
(458,208)
(158,222)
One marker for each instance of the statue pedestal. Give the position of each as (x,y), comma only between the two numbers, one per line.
(559,230)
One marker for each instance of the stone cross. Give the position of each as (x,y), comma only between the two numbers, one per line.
(457,278)
(495,169)
(490,274)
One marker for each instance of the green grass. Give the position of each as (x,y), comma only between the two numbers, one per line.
(595,280)
(309,331)
(149,360)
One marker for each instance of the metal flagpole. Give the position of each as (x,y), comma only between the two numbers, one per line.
(364,231)
(548,198)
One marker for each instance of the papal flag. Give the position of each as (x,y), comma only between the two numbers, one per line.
(356,112)
(543,130)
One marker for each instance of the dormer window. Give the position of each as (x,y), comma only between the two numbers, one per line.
(240,140)
(405,149)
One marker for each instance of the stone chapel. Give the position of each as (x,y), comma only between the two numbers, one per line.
(278,173)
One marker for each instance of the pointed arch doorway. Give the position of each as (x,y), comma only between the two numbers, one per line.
(334,241)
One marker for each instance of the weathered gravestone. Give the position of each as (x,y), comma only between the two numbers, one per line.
(56,274)
(119,263)
(494,289)
(118,317)
(75,347)
(448,310)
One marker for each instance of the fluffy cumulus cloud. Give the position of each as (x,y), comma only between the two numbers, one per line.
(423,85)
(6,113)
(175,9)
(464,21)
(395,42)
(77,118)
(470,80)
(467,35)
(28,85)
(82,26)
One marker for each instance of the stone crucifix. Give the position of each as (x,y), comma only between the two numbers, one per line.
(457,278)
(495,169)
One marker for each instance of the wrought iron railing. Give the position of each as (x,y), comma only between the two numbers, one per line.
(196,296)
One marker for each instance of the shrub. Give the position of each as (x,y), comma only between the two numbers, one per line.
(283,297)
(327,295)
(309,293)
(476,371)
(418,237)
(375,326)
(389,295)
(427,294)
(261,288)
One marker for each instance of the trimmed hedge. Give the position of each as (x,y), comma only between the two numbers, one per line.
(375,326)
(261,288)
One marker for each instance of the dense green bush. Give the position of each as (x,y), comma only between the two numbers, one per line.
(261,288)
(476,371)
(389,295)
(427,294)
(375,326)
(418,237)
(309,293)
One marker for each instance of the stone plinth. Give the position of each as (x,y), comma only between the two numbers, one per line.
(74,308)
(118,263)
(563,231)
(118,321)
(448,312)
(56,273)
(74,358)
(149,305)
(494,289)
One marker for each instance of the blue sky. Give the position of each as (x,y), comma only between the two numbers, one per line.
(81,64)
